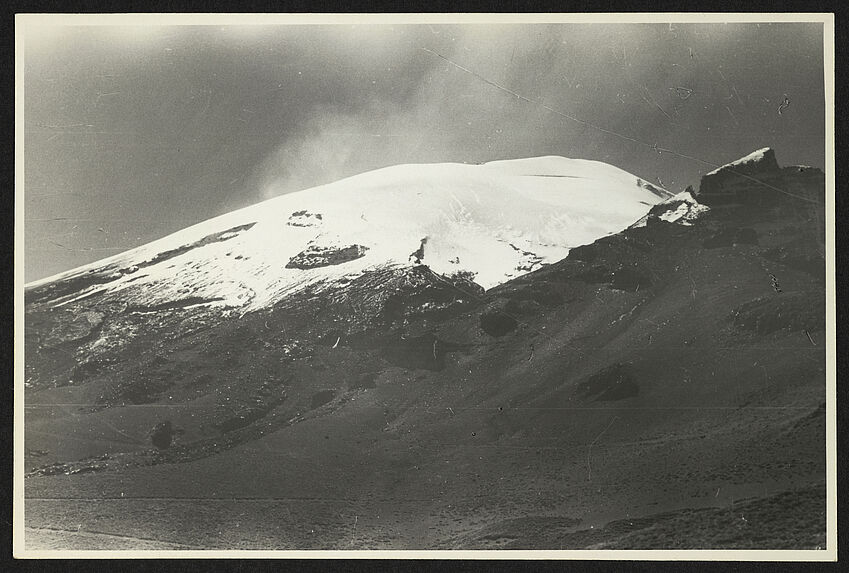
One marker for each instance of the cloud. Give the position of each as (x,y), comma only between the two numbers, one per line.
(443,114)
(463,111)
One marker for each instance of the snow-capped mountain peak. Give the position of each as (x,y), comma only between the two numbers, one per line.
(492,222)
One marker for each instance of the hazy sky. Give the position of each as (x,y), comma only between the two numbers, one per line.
(133,133)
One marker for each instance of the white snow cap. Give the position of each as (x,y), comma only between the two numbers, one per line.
(497,221)
(753,157)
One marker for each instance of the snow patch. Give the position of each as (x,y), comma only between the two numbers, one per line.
(753,157)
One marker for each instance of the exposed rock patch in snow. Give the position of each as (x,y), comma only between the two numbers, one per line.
(304,219)
(314,256)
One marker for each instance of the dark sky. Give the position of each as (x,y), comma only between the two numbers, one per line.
(133,133)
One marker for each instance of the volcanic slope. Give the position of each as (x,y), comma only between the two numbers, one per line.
(662,387)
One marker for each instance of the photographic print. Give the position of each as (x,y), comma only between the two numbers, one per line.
(461,285)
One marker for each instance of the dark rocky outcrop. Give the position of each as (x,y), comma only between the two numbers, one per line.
(418,255)
(315,257)
(742,182)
